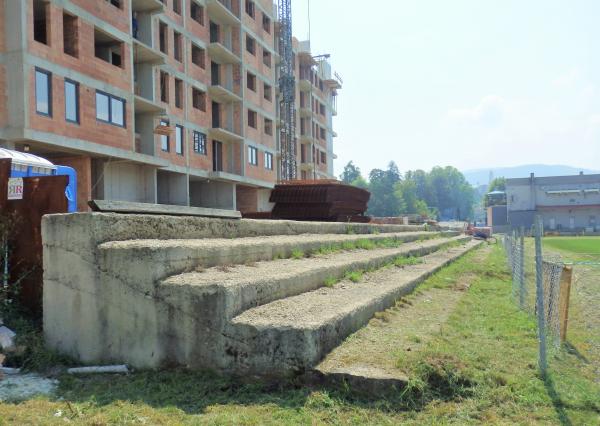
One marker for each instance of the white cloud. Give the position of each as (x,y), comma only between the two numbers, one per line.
(568,79)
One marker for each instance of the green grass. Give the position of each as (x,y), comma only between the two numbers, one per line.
(297,254)
(575,245)
(407,261)
(354,276)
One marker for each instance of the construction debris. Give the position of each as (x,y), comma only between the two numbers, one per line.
(100,369)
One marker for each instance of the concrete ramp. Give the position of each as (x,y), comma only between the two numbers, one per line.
(155,291)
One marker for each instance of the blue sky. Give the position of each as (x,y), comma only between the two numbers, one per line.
(468,83)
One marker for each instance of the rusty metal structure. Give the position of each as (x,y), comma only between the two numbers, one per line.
(324,200)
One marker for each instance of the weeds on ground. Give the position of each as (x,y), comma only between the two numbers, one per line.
(297,254)
(401,262)
(354,276)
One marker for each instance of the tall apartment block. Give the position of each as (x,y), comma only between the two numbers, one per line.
(160,101)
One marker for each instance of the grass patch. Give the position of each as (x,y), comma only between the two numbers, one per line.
(575,245)
(354,276)
(401,262)
(297,254)
(330,282)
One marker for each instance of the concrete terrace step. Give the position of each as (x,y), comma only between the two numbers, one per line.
(293,334)
(238,288)
(151,260)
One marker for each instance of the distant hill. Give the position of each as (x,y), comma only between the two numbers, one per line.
(481,176)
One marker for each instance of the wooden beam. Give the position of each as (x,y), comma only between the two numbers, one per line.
(564,298)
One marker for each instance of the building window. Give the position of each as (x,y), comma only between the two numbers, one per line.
(322,109)
(179,140)
(266,57)
(110,109)
(177,6)
(199,143)
(323,134)
(108,48)
(268,92)
(268,161)
(163,37)
(250,9)
(197,12)
(40,21)
(266,23)
(198,56)
(268,127)
(199,99)
(253,155)
(323,157)
(320,85)
(250,45)
(43,92)
(72,101)
(178,93)
(252,118)
(251,81)
(164,87)
(177,46)
(116,3)
(164,139)
(70,35)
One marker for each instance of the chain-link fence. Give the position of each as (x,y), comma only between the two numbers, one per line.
(540,286)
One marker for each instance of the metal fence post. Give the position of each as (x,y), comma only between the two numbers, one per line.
(539,285)
(522,290)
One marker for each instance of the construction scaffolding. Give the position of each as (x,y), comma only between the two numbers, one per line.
(287,88)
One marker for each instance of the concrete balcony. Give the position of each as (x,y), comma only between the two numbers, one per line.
(222,53)
(143,105)
(144,54)
(305,112)
(223,94)
(306,139)
(223,11)
(147,6)
(304,85)
(224,134)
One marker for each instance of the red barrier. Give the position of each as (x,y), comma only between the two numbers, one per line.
(41,195)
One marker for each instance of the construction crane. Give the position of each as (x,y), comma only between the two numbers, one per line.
(287,90)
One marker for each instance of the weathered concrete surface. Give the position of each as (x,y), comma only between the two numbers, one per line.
(152,260)
(295,333)
(97,313)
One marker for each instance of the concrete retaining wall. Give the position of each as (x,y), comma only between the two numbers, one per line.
(96,314)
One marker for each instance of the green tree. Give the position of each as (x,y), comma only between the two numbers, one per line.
(384,200)
(350,173)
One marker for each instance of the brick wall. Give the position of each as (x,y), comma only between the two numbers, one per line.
(83,167)
(3,106)
(90,128)
(87,63)
(118,18)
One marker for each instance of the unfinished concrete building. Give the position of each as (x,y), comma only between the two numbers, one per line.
(87,83)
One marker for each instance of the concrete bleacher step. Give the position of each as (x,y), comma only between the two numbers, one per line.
(293,334)
(236,288)
(150,260)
